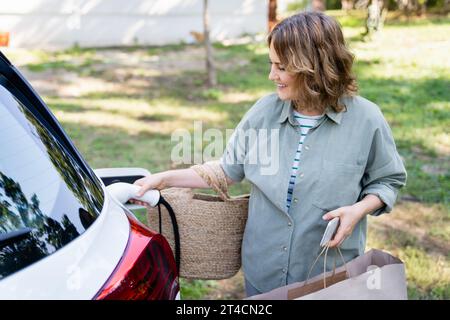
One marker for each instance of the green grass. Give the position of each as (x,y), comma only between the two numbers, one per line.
(158,50)
(74,60)
(404,69)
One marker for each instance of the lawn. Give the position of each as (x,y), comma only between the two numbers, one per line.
(120,106)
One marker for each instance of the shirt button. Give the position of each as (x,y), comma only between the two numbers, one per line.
(285,248)
(284,270)
(307,147)
(302,175)
(289,224)
(295,200)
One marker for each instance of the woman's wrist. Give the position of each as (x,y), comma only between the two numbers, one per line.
(368,204)
(164,179)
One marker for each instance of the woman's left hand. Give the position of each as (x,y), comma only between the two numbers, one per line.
(349,216)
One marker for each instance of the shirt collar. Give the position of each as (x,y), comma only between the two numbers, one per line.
(288,113)
(333,115)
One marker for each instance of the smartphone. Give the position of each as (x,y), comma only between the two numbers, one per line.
(330,231)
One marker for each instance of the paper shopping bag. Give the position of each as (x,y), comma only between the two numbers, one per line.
(374,275)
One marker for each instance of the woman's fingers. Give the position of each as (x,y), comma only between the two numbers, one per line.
(341,234)
(140,203)
(348,217)
(142,190)
(332,214)
(145,185)
(139,182)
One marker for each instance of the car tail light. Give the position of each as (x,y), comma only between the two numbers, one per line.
(147,270)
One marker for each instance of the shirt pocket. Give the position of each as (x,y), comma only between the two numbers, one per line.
(339,185)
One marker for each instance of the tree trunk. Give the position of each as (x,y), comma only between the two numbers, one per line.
(272,17)
(212,77)
(347,5)
(318,5)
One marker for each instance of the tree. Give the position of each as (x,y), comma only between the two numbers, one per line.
(318,5)
(376,13)
(212,77)
(347,5)
(272,16)
(412,6)
(47,236)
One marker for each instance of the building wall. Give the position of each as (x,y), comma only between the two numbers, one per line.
(64,23)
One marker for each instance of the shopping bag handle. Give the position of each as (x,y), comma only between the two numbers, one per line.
(325,250)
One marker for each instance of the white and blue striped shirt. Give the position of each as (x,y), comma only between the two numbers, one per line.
(306,123)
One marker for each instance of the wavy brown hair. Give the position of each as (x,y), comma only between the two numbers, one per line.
(311,45)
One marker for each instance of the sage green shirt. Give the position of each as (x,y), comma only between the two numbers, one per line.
(346,156)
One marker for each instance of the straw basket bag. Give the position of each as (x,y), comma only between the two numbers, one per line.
(210,226)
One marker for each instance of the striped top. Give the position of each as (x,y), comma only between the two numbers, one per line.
(306,123)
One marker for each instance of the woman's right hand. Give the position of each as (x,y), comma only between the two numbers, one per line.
(151,182)
(179,178)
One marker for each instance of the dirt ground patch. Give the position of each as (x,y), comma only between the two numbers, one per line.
(114,71)
(131,72)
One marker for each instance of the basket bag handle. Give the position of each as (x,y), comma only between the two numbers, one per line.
(212,173)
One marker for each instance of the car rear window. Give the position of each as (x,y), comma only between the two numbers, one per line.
(46,199)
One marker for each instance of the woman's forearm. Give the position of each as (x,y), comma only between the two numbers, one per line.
(182,178)
(369,204)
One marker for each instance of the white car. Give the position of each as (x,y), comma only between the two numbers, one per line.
(62,235)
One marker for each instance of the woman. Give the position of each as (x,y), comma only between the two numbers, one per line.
(336,156)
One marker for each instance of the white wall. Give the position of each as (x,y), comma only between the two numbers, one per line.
(62,23)
(282,5)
